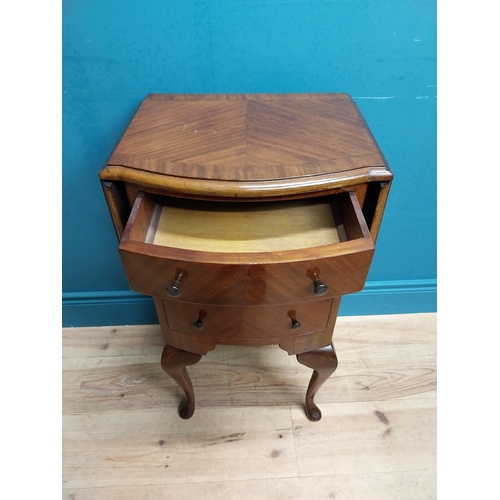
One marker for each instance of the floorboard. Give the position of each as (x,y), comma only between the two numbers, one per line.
(249,437)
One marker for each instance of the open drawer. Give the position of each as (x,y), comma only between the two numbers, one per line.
(246,253)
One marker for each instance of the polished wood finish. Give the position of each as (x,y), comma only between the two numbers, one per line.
(157,151)
(235,284)
(324,362)
(247,323)
(247,217)
(352,233)
(291,343)
(249,278)
(174,362)
(297,344)
(184,341)
(247,137)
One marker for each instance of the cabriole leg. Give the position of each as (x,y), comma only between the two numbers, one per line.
(174,362)
(324,362)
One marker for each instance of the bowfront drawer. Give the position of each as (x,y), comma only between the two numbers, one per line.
(183,280)
(246,253)
(247,323)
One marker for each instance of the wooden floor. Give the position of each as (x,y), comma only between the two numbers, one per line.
(249,437)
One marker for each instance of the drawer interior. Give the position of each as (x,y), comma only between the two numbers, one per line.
(243,227)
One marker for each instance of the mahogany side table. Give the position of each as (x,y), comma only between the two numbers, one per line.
(247,218)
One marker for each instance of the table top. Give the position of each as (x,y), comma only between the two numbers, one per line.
(237,144)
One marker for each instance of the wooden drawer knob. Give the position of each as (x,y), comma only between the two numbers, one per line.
(198,324)
(174,290)
(295,323)
(319,287)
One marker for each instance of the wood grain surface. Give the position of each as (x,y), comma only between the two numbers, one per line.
(247,137)
(249,437)
(230,145)
(248,323)
(256,276)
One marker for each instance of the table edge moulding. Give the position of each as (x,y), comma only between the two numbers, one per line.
(247,217)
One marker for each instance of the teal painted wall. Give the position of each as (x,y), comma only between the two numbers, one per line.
(382,53)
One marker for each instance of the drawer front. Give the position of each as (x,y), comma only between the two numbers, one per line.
(184,281)
(201,275)
(252,323)
(302,281)
(246,284)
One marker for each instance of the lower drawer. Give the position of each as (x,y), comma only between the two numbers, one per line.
(247,323)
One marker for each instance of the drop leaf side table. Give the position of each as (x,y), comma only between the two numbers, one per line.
(247,218)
